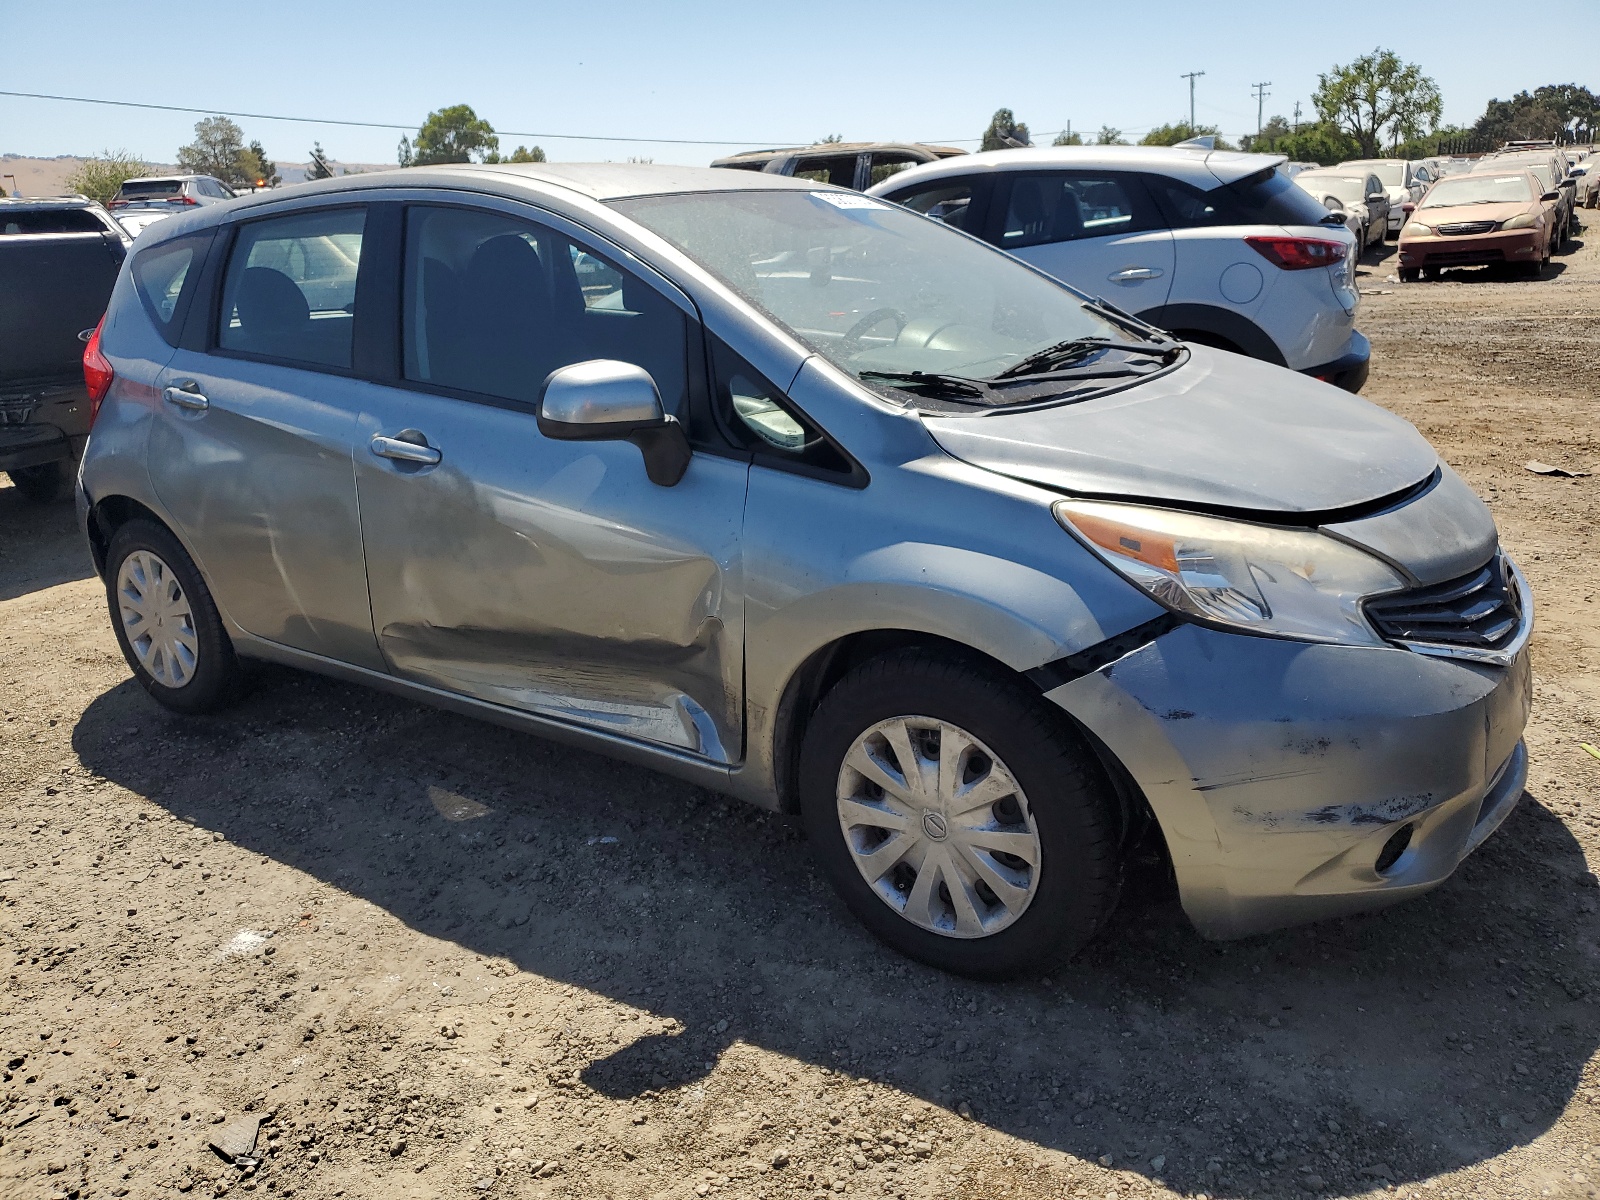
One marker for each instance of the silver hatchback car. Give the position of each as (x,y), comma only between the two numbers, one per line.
(809,499)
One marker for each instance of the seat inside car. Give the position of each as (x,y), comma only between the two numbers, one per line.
(274,317)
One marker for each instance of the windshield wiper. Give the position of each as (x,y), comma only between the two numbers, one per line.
(931,381)
(1075,349)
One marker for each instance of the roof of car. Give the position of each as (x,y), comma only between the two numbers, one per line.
(826,148)
(165,178)
(75,201)
(1205,168)
(1326,172)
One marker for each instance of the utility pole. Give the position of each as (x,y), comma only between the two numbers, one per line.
(1261,99)
(1297,116)
(1191,77)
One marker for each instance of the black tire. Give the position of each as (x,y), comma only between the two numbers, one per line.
(215,677)
(1410,274)
(1431,274)
(40,484)
(1073,808)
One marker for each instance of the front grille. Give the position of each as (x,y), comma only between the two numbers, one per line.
(1460,228)
(1479,611)
(1460,258)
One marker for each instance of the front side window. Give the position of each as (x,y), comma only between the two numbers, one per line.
(290,288)
(947,201)
(1068,207)
(494,304)
(873,288)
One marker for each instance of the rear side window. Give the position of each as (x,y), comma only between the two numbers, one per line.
(944,201)
(1269,197)
(1073,206)
(290,288)
(50,220)
(164,276)
(494,304)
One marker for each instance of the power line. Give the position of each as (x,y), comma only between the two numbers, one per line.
(218,112)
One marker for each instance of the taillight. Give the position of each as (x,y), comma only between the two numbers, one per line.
(182,200)
(97,373)
(1297,253)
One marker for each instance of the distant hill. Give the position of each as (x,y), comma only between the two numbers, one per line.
(48,176)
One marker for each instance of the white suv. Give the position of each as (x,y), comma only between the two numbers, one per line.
(1219,248)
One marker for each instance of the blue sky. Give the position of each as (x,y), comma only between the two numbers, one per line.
(756,74)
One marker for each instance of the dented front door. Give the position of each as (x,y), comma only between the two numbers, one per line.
(554,577)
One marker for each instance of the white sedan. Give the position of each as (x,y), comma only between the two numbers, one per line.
(1357,194)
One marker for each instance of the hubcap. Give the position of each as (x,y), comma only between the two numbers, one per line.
(938,827)
(156,618)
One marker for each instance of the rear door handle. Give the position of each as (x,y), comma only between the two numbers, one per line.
(1135,274)
(407,446)
(186,394)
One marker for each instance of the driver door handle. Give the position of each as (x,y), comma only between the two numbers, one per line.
(408,446)
(186,394)
(1134,274)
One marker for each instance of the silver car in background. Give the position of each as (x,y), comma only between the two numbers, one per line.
(1357,194)
(810,499)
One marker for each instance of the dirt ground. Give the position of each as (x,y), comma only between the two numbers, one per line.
(435,958)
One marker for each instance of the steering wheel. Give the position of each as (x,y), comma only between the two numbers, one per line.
(853,335)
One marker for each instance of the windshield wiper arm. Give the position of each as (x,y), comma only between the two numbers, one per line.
(1062,353)
(950,385)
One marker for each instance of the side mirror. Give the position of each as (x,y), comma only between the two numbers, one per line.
(603,400)
(1374,197)
(1408,207)
(1548,197)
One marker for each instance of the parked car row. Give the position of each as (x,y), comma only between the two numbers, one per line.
(797,494)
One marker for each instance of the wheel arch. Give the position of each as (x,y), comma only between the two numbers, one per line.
(1212,322)
(111,513)
(826,665)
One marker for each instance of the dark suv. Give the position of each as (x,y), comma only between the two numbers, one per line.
(857,165)
(59,258)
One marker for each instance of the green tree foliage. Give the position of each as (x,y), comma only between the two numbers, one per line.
(1325,144)
(267,175)
(1182,131)
(454,135)
(1378,99)
(1067,139)
(215,151)
(1109,137)
(403,152)
(523,154)
(830,140)
(1561,111)
(318,167)
(1266,142)
(1004,132)
(99,178)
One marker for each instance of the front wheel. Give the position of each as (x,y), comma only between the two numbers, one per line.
(961,819)
(166,622)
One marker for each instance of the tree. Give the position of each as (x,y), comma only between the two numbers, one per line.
(403,152)
(1323,143)
(1562,111)
(318,167)
(1066,138)
(831,139)
(1109,137)
(214,151)
(1004,132)
(523,154)
(1182,131)
(267,175)
(1378,98)
(99,178)
(454,135)
(1265,142)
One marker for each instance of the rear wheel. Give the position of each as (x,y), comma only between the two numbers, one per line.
(40,484)
(1410,274)
(1431,274)
(166,622)
(962,820)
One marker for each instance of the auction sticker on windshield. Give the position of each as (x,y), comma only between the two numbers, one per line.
(847,200)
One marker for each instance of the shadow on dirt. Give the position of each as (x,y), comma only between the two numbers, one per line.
(1338,1057)
(39,544)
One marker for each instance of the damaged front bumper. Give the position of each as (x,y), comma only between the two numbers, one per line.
(1295,782)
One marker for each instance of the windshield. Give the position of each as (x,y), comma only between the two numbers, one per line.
(1390,172)
(871,286)
(1479,189)
(1349,188)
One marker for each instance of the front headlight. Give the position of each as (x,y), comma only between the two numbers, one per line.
(1525,221)
(1289,582)
(1417,229)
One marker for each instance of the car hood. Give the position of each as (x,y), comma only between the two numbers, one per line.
(1446,214)
(1219,432)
